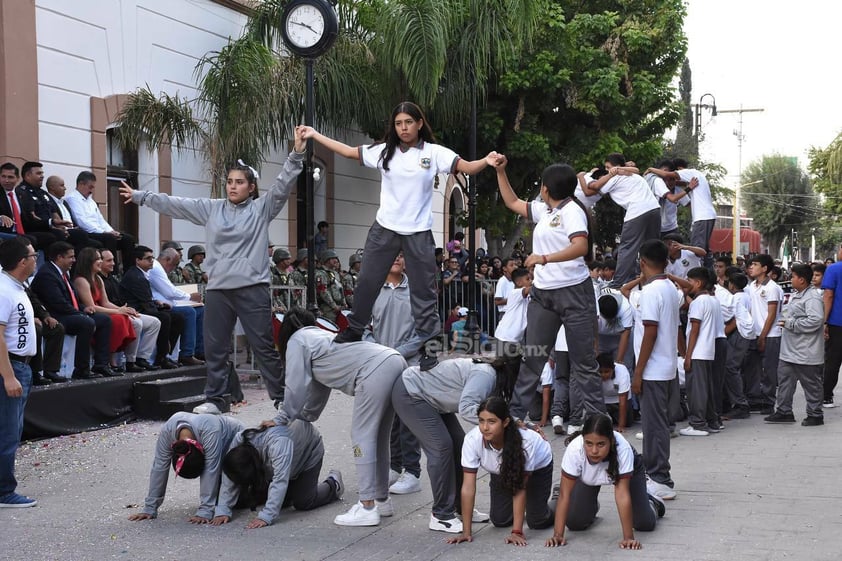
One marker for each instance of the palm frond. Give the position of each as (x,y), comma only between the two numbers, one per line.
(157,121)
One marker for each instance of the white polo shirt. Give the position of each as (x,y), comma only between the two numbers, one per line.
(554,230)
(658,303)
(476,452)
(502,290)
(742,315)
(683,263)
(669,209)
(575,463)
(512,326)
(17,315)
(588,200)
(726,302)
(623,321)
(620,384)
(632,193)
(406,190)
(701,202)
(705,310)
(761,295)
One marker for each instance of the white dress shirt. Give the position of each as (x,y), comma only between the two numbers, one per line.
(87,213)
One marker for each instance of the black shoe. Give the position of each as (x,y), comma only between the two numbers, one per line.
(85,374)
(429,356)
(120,368)
(167,364)
(767,411)
(105,370)
(200,356)
(190,361)
(780,418)
(348,336)
(738,412)
(134,368)
(38,380)
(658,504)
(812,422)
(146,365)
(55,377)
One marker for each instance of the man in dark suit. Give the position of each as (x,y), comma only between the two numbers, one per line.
(13,210)
(48,355)
(135,289)
(53,288)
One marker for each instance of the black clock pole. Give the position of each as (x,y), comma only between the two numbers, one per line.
(472,325)
(309,220)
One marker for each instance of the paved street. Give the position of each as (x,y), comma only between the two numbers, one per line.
(755,491)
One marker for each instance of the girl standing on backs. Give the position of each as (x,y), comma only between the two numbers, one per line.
(409,162)
(520,462)
(367,371)
(562,292)
(601,456)
(237,230)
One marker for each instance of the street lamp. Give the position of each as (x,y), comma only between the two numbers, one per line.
(702,105)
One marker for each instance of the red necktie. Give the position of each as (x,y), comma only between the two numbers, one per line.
(70,289)
(16,213)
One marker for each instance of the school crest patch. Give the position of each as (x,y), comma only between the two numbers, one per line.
(425,163)
(358,453)
(685,262)
(556,221)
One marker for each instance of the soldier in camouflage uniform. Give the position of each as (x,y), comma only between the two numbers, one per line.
(278,270)
(192,272)
(329,292)
(176,276)
(349,278)
(298,278)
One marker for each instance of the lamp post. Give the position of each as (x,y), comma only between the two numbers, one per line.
(472,325)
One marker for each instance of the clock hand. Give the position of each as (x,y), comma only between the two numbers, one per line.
(303,25)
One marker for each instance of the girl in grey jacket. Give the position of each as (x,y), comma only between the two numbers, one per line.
(315,365)
(278,466)
(237,235)
(208,435)
(427,403)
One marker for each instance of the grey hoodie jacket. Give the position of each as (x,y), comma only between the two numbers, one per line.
(287,452)
(392,324)
(802,341)
(455,385)
(237,235)
(214,433)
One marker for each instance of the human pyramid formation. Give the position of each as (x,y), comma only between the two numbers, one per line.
(387,358)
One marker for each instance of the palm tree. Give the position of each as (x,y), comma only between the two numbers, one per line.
(251,95)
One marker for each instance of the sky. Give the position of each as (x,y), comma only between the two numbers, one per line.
(776,55)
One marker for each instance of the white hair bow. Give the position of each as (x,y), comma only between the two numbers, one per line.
(254,171)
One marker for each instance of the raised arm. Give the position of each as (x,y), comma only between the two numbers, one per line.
(476,166)
(335,146)
(511,200)
(663,174)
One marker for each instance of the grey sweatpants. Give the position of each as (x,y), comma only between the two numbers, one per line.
(655,417)
(561,386)
(253,306)
(441,437)
(645,227)
(371,425)
(381,248)
(700,233)
(584,504)
(717,382)
(538,513)
(763,372)
(810,376)
(575,307)
(698,383)
(737,351)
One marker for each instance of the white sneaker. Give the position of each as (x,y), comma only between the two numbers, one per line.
(207,408)
(385,508)
(358,515)
(480,516)
(572,429)
(452,526)
(558,424)
(406,484)
(690,431)
(639,435)
(393,477)
(336,476)
(660,490)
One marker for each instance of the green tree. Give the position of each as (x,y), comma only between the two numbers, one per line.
(827,182)
(780,198)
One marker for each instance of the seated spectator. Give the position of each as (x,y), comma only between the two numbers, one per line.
(127,324)
(176,276)
(11,211)
(47,360)
(137,291)
(192,340)
(53,288)
(192,273)
(88,217)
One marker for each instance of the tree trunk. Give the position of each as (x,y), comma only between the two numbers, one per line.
(502,247)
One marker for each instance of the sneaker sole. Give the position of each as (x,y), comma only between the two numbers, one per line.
(446,527)
(23,505)
(356,523)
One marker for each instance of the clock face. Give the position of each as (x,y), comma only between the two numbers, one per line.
(305,26)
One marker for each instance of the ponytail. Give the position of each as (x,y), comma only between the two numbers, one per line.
(244,466)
